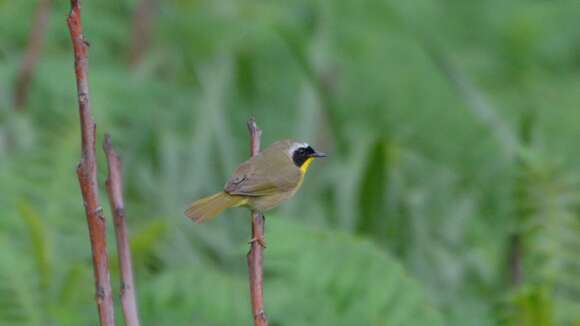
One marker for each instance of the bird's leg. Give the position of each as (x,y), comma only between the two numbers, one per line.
(260,240)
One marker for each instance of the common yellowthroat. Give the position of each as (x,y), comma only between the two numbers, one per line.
(260,183)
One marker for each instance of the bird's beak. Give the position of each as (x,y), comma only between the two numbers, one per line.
(319,154)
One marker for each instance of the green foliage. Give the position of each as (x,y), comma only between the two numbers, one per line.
(451,125)
(372,189)
(552,240)
(19,302)
(363,286)
(40,246)
(531,307)
(348,281)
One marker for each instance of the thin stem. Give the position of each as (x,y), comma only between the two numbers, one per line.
(515,260)
(87,172)
(114,186)
(33,51)
(255,255)
(141,33)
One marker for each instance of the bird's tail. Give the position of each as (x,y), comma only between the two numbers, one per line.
(209,207)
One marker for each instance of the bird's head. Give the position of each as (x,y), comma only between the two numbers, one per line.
(303,154)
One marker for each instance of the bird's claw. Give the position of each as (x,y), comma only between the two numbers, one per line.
(260,241)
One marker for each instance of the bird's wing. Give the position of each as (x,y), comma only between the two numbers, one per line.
(261,177)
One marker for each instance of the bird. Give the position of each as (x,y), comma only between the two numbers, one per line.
(261,183)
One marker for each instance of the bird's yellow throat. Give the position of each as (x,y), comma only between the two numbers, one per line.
(306,164)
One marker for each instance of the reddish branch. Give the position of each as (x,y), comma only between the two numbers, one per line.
(255,256)
(33,50)
(114,185)
(87,171)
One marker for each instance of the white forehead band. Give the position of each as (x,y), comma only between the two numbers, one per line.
(295,146)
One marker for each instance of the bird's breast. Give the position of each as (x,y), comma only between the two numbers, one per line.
(265,203)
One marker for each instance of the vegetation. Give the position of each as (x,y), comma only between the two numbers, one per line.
(452,128)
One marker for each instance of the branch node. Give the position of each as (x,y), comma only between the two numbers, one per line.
(125,289)
(261,315)
(83,97)
(120,212)
(100,294)
(100,214)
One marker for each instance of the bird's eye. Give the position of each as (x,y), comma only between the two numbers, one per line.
(300,156)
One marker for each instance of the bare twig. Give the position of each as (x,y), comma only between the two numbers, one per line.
(141,34)
(255,256)
(114,185)
(515,260)
(87,171)
(33,51)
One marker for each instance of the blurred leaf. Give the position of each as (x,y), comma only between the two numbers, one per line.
(71,283)
(533,307)
(40,246)
(144,240)
(552,231)
(475,100)
(373,190)
(347,281)
(20,299)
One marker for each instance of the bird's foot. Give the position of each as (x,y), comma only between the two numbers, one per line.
(260,241)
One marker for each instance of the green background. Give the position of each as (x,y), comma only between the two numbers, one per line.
(451,126)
